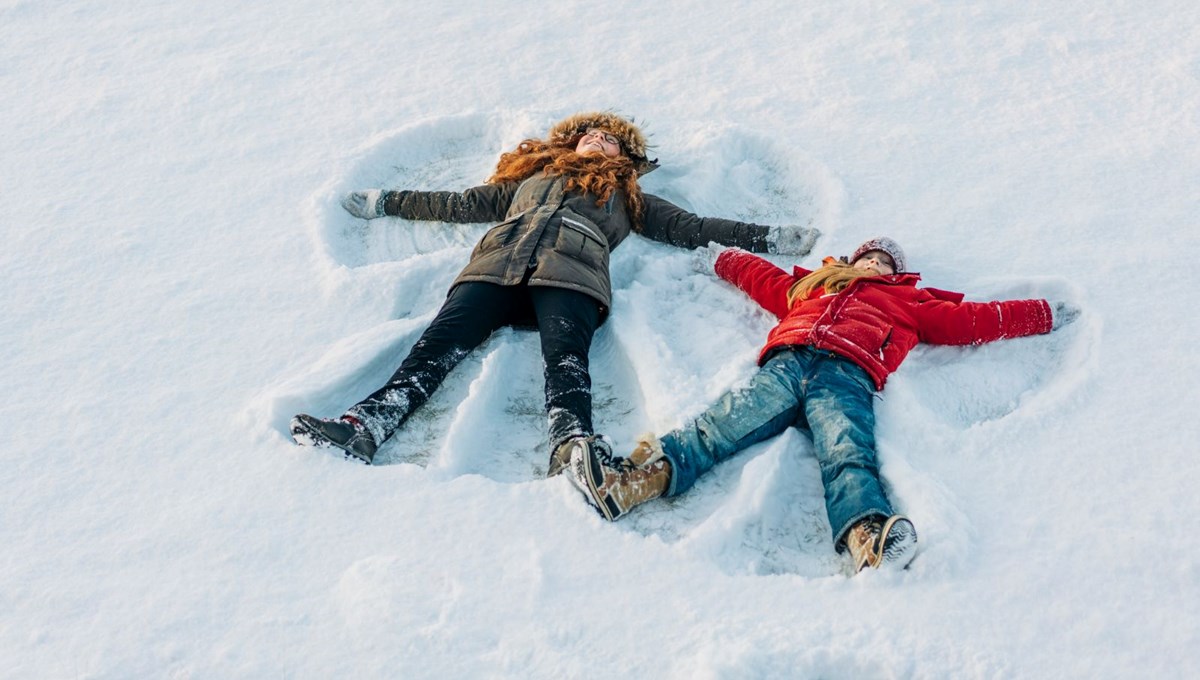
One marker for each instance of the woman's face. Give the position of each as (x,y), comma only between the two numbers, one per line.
(877,261)
(599,140)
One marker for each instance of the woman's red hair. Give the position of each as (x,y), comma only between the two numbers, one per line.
(596,174)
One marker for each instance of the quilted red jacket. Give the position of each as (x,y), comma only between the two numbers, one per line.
(876,320)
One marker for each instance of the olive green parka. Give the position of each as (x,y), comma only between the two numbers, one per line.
(551,237)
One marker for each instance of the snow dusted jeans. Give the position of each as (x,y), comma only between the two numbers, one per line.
(566,320)
(814,390)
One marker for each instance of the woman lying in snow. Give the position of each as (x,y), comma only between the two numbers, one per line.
(563,204)
(843,329)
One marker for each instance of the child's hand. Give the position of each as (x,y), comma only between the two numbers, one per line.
(705,259)
(367,204)
(1062,313)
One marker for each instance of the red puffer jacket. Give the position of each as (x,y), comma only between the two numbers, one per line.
(876,320)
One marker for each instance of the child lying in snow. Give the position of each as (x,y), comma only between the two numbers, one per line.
(843,329)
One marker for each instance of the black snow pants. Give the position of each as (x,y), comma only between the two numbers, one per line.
(565,319)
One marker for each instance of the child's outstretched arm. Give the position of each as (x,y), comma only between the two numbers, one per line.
(765,283)
(945,322)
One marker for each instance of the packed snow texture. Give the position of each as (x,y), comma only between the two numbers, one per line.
(178,279)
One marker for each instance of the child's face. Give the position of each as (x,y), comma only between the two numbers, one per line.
(876,260)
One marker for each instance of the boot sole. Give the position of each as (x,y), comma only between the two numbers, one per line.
(591,472)
(898,543)
(305,434)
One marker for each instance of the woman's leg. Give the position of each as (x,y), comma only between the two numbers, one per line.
(472,311)
(567,321)
(839,409)
(737,420)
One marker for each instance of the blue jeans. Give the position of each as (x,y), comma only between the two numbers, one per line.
(814,390)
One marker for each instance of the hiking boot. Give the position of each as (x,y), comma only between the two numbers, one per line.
(647,451)
(882,542)
(346,433)
(614,486)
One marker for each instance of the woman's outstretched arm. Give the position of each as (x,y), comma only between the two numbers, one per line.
(666,222)
(486,203)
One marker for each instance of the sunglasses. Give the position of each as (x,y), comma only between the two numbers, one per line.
(606,136)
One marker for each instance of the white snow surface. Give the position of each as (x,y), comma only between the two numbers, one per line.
(177,280)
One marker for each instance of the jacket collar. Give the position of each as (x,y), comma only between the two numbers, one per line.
(901,279)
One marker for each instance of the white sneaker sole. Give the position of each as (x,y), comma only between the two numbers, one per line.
(587,475)
(899,543)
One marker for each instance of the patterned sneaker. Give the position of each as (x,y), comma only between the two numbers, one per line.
(614,486)
(882,543)
(346,433)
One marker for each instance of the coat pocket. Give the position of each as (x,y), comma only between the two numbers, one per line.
(582,242)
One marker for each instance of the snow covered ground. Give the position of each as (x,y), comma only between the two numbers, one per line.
(176,280)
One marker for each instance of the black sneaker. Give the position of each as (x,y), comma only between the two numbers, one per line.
(348,435)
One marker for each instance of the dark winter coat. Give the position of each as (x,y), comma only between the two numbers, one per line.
(876,320)
(561,238)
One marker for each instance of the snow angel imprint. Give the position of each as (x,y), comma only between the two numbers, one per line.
(843,330)
(563,204)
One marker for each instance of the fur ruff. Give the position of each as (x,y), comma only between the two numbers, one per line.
(633,142)
(648,450)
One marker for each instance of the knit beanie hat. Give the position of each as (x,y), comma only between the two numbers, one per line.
(884,244)
(633,142)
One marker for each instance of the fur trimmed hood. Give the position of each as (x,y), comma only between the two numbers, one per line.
(633,142)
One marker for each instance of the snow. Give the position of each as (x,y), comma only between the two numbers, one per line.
(177,280)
